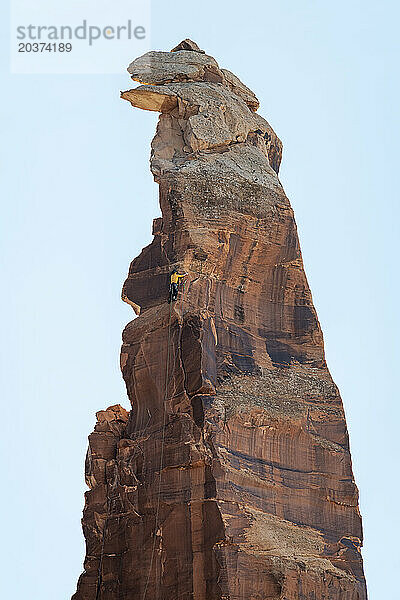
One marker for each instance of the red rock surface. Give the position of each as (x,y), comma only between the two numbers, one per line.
(231,476)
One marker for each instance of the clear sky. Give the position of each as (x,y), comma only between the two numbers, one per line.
(77,204)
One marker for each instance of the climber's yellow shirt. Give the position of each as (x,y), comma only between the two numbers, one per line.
(175,277)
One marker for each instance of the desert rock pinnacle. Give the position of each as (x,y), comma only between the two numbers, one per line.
(231,476)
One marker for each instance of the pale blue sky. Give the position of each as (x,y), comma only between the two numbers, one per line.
(78,200)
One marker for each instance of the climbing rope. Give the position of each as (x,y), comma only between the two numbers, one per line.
(108,512)
(100,569)
(178,343)
(167,381)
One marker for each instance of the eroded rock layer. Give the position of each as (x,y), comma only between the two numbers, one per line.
(231,476)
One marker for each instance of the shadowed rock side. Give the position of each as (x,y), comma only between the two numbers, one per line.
(229,389)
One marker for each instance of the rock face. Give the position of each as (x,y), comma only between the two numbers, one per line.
(231,476)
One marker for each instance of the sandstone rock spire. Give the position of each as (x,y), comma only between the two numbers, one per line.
(231,476)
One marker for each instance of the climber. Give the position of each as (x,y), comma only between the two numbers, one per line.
(173,286)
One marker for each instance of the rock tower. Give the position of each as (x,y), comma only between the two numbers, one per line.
(231,476)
